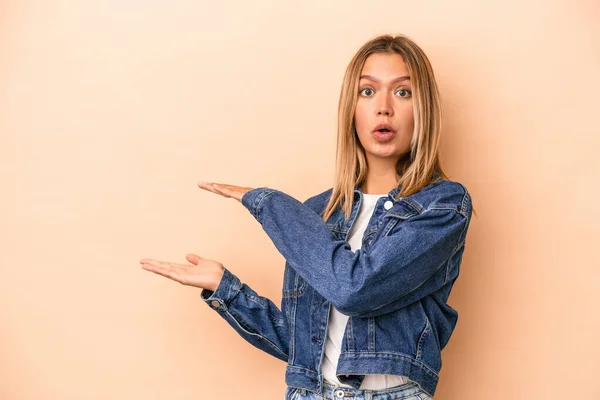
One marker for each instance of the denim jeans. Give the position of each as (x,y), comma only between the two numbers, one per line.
(406,391)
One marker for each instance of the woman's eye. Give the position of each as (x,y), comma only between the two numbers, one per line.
(368,92)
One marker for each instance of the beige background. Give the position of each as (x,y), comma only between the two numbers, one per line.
(110,111)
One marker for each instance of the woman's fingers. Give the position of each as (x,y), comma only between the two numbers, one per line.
(225,190)
(218,188)
(203,273)
(169,270)
(237,192)
(208,186)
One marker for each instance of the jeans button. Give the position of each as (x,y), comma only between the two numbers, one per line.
(388,204)
(339,393)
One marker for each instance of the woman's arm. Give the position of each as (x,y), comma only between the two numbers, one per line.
(420,255)
(256,318)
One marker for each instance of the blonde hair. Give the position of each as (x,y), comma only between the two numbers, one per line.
(416,167)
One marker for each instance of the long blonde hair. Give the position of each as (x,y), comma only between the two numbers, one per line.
(417,167)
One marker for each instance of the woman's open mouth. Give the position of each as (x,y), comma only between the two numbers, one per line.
(383,134)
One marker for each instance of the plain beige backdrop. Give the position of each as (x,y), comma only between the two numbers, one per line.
(111,111)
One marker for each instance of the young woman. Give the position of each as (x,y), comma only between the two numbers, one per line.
(371,261)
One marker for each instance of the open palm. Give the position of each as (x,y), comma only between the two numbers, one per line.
(202,272)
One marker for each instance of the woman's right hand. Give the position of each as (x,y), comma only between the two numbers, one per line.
(203,273)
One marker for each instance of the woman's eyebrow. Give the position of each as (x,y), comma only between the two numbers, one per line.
(400,78)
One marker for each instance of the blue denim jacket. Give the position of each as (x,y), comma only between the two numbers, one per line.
(394,288)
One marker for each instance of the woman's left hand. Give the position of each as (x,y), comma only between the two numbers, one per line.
(225,190)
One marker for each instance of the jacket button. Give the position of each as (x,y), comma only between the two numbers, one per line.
(388,204)
(215,303)
(339,393)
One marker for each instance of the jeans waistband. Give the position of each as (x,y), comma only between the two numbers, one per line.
(335,392)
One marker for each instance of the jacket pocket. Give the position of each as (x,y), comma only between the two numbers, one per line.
(293,284)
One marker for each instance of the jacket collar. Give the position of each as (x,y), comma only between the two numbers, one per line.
(396,190)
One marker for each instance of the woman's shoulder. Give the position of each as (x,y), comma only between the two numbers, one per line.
(444,193)
(319,200)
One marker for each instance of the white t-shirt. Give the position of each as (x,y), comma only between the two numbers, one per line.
(337,321)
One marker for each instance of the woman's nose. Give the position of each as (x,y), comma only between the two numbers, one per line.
(384,107)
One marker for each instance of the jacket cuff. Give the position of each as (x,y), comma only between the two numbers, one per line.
(252,199)
(228,287)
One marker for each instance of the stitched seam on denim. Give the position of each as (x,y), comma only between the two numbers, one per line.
(371,325)
(463,233)
(460,244)
(233,289)
(257,335)
(286,272)
(448,268)
(409,386)
(334,227)
(370,232)
(256,300)
(425,367)
(312,371)
(340,230)
(296,292)
(460,239)
(297,388)
(393,214)
(413,204)
(466,197)
(292,329)
(260,199)
(422,338)
(443,207)
(350,339)
(390,225)
(285,305)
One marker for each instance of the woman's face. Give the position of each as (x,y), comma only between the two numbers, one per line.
(385,96)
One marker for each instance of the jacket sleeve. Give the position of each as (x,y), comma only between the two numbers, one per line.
(417,258)
(256,318)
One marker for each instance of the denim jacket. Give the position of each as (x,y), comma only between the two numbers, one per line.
(394,288)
